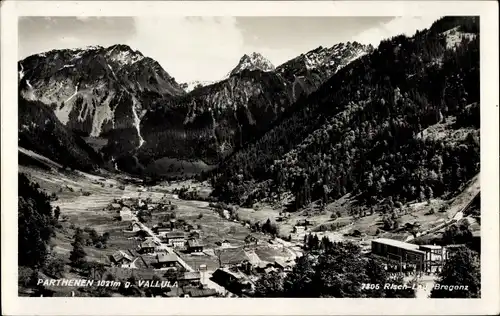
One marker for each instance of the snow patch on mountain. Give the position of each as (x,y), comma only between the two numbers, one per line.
(338,55)
(136,106)
(67,66)
(123,56)
(73,95)
(21,72)
(190,86)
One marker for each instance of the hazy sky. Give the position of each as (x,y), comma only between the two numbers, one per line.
(207,48)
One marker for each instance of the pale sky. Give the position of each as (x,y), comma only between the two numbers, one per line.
(207,48)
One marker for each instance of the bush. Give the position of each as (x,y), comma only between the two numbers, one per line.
(27,277)
(54,267)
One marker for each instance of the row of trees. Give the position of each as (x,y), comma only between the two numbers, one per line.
(339,270)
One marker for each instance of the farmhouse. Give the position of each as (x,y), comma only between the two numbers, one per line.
(114,206)
(135,227)
(196,292)
(191,292)
(223,244)
(120,258)
(264,267)
(233,281)
(166,260)
(189,279)
(232,256)
(175,239)
(194,234)
(299,229)
(194,245)
(282,265)
(161,231)
(147,246)
(126,214)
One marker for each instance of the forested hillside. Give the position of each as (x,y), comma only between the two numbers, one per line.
(400,123)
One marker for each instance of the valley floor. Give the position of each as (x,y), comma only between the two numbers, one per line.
(84,199)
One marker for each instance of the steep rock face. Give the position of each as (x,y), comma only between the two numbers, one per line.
(99,92)
(309,71)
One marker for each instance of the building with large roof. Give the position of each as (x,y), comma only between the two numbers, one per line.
(426,258)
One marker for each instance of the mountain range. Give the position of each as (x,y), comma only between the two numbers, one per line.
(402,117)
(130,110)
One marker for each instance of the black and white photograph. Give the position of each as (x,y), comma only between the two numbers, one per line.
(249,157)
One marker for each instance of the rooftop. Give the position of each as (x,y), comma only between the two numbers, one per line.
(120,255)
(189,276)
(174,235)
(194,243)
(396,243)
(195,292)
(166,257)
(148,244)
(430,247)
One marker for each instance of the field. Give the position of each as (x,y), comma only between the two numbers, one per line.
(83,200)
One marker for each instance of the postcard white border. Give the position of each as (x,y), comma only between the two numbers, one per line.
(488,304)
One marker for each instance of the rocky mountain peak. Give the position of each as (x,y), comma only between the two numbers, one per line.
(254,61)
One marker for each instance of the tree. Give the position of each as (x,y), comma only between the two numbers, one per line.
(340,272)
(57,213)
(376,275)
(218,254)
(300,281)
(35,223)
(388,223)
(461,276)
(78,254)
(270,228)
(54,267)
(269,285)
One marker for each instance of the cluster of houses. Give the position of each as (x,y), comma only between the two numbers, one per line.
(180,283)
(185,239)
(152,257)
(239,278)
(128,208)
